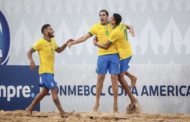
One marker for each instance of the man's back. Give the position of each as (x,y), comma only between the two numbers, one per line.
(120,38)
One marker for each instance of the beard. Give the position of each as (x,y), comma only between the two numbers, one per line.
(50,35)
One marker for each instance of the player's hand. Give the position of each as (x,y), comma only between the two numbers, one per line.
(69,44)
(32,65)
(131,30)
(70,40)
(95,41)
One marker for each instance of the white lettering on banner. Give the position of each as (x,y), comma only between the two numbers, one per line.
(0,28)
(1,54)
(26,91)
(3,91)
(15,91)
(11,92)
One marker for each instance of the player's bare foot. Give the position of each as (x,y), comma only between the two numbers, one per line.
(132,105)
(115,111)
(95,109)
(29,111)
(133,81)
(133,108)
(66,114)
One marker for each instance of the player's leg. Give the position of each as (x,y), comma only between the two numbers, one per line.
(123,69)
(127,89)
(132,78)
(51,84)
(37,99)
(99,86)
(114,79)
(101,70)
(54,93)
(114,71)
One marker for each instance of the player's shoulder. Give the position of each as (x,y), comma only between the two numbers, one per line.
(120,27)
(96,25)
(39,41)
(122,24)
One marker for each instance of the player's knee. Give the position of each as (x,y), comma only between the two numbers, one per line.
(120,79)
(54,97)
(114,78)
(43,93)
(46,92)
(100,78)
(54,94)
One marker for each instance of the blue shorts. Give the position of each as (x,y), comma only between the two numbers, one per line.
(47,81)
(109,62)
(124,64)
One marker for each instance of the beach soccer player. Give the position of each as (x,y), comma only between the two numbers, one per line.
(119,38)
(46,48)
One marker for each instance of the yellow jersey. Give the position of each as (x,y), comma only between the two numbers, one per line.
(120,38)
(46,51)
(102,32)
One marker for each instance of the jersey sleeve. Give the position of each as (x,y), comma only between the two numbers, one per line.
(37,46)
(93,30)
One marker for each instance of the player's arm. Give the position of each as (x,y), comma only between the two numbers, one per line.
(79,40)
(62,48)
(29,54)
(131,30)
(127,26)
(103,46)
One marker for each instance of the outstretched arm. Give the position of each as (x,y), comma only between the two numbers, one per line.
(103,46)
(127,26)
(62,48)
(131,30)
(79,40)
(29,54)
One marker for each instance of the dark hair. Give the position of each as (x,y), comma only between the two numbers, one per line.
(117,18)
(103,10)
(44,27)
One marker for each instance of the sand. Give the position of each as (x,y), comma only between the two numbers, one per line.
(22,116)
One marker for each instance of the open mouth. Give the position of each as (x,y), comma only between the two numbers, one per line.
(102,20)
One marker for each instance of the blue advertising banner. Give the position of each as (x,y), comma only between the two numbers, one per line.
(18,87)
